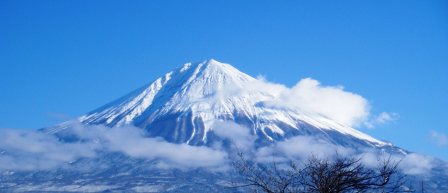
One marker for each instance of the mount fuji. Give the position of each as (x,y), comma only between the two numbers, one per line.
(188,107)
(183,105)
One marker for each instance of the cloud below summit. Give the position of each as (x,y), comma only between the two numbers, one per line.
(33,150)
(330,101)
(22,150)
(311,97)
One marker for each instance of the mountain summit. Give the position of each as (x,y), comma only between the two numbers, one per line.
(184,105)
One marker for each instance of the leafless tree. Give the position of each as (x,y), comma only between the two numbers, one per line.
(319,175)
(350,175)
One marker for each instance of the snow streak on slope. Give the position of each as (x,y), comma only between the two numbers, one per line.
(183,106)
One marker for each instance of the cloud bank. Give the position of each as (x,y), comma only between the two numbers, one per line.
(31,150)
(302,147)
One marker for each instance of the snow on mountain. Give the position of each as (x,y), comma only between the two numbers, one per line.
(183,106)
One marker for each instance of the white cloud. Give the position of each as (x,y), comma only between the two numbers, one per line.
(333,102)
(385,117)
(410,164)
(416,164)
(300,147)
(440,138)
(313,98)
(31,150)
(370,158)
(380,119)
(237,134)
(130,140)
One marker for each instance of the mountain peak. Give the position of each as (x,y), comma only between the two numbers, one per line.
(209,63)
(212,61)
(212,67)
(207,77)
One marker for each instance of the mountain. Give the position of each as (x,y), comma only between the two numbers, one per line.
(186,107)
(183,105)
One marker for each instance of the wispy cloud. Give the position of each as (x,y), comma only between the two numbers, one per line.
(439,138)
(301,147)
(381,119)
(385,117)
(416,164)
(238,135)
(410,164)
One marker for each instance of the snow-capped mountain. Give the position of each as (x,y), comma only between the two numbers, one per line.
(183,105)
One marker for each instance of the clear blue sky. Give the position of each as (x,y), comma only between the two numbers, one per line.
(60,59)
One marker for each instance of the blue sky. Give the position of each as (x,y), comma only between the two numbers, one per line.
(60,59)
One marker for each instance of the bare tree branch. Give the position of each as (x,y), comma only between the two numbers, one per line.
(321,175)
